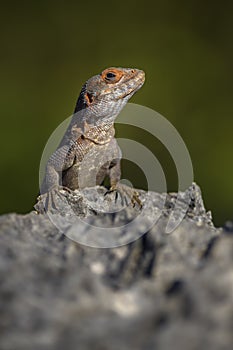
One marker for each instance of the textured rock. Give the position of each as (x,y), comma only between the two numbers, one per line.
(161,291)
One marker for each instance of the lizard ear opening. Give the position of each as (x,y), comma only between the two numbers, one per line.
(88,98)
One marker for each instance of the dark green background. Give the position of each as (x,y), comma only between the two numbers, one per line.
(49,48)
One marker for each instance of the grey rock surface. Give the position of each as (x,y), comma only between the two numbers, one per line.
(160,291)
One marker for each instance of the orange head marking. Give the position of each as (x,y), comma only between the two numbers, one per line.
(112,75)
(88,97)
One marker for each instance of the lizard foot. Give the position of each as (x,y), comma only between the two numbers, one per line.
(125,192)
(50,199)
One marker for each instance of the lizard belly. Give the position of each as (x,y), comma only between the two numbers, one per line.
(70,177)
(90,171)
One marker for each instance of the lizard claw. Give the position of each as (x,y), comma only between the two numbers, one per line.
(50,199)
(125,192)
(114,191)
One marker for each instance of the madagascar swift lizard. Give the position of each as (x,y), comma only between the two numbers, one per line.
(88,151)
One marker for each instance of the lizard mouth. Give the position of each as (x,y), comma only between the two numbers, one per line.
(128,93)
(131,91)
(140,79)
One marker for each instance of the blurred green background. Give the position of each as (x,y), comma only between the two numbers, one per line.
(49,48)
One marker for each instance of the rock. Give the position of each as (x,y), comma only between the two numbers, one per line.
(162,290)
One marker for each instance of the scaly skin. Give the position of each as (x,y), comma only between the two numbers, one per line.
(88,151)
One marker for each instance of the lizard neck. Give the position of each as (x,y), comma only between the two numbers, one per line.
(81,102)
(100,134)
(96,114)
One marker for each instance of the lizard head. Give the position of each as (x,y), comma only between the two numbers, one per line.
(105,94)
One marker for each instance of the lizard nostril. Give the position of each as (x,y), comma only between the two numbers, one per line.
(133,70)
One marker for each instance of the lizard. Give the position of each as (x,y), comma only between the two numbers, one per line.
(88,151)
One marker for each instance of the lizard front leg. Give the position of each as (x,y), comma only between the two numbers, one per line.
(116,186)
(60,160)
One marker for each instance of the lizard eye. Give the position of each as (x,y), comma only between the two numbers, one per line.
(112,76)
